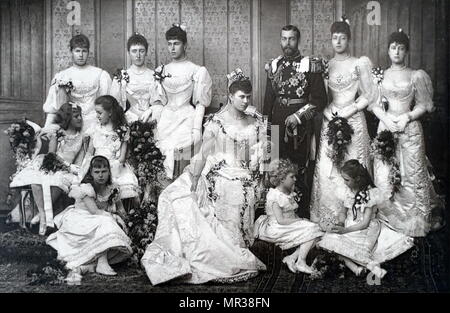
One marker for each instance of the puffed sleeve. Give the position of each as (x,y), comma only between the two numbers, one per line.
(79,192)
(52,104)
(105,83)
(423,90)
(367,89)
(118,91)
(271,198)
(202,87)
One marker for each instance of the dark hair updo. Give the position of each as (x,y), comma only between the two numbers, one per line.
(359,173)
(79,41)
(399,37)
(341,27)
(243,85)
(137,39)
(176,33)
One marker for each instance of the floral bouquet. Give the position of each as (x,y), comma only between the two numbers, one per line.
(159,74)
(384,147)
(121,75)
(325,73)
(339,135)
(113,197)
(327,222)
(377,75)
(52,164)
(142,224)
(145,156)
(22,141)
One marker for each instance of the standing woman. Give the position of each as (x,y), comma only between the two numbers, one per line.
(406,95)
(185,88)
(351,89)
(136,85)
(80,84)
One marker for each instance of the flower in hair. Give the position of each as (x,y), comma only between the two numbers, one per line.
(182,26)
(236,75)
(345,19)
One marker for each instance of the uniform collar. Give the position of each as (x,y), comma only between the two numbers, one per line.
(297,55)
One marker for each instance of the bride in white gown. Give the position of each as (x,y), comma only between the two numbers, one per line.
(206,216)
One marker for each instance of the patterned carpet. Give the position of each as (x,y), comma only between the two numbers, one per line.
(422,269)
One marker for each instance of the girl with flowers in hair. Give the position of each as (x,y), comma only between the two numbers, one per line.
(206,216)
(344,132)
(134,88)
(81,83)
(358,237)
(405,96)
(185,90)
(281,225)
(59,168)
(89,237)
(109,139)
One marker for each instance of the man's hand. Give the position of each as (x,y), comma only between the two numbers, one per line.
(308,114)
(291,122)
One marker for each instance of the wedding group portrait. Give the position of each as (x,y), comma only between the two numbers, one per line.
(224,146)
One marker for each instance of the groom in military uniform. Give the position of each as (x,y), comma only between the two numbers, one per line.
(295,92)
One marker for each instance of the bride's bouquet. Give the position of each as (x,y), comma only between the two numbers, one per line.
(384,147)
(22,141)
(339,134)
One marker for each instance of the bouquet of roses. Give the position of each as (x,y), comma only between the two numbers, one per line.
(142,224)
(21,139)
(52,164)
(121,75)
(383,147)
(339,135)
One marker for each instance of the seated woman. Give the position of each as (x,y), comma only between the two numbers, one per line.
(281,225)
(363,240)
(136,85)
(66,141)
(205,217)
(89,237)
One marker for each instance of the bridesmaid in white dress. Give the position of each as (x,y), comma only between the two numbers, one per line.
(281,225)
(206,216)
(89,82)
(137,84)
(89,237)
(409,95)
(66,141)
(185,88)
(351,89)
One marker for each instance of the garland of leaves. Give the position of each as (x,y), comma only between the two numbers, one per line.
(147,160)
(384,146)
(246,183)
(339,134)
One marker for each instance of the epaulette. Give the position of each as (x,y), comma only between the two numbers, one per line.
(272,66)
(316,65)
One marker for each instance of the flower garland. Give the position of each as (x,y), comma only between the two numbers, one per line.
(246,183)
(361,198)
(123,132)
(22,141)
(377,75)
(383,147)
(339,135)
(52,164)
(325,74)
(113,197)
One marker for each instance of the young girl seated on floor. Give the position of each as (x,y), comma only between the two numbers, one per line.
(281,225)
(89,237)
(357,242)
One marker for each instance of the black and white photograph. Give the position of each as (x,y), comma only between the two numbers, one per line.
(227,147)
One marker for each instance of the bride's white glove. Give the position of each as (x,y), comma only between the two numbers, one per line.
(147,115)
(196,136)
(401,121)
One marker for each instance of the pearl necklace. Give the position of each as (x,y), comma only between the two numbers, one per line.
(340,60)
(398,69)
